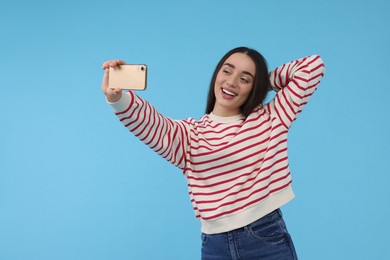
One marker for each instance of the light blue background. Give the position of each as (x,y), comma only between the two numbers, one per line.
(74,184)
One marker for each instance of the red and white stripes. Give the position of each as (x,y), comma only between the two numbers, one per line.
(236,168)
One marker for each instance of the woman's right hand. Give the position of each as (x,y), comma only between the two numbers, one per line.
(112,95)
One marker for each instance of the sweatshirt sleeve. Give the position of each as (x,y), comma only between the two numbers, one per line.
(295,82)
(165,136)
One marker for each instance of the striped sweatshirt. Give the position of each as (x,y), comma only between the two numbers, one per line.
(236,168)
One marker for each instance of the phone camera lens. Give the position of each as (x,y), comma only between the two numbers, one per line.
(142,68)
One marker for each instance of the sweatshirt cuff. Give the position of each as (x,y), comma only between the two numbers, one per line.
(123,103)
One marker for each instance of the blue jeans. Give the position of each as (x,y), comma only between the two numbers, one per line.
(266,238)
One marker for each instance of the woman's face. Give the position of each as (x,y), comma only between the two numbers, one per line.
(233,84)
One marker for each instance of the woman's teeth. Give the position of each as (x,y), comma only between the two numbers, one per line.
(228,92)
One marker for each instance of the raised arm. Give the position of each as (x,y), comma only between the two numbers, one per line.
(295,82)
(166,137)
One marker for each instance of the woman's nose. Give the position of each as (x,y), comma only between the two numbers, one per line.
(231,81)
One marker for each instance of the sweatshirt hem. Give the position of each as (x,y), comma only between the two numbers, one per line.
(248,216)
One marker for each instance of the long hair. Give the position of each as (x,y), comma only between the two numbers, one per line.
(261,84)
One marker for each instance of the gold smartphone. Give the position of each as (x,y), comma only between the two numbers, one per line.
(128,76)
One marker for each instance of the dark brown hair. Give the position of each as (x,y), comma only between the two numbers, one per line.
(261,84)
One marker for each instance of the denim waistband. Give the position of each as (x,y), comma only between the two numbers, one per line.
(277,213)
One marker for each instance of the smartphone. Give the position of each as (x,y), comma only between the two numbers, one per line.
(128,76)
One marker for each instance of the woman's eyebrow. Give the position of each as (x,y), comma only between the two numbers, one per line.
(244,72)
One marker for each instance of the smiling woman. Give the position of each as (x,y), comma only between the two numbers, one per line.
(235,157)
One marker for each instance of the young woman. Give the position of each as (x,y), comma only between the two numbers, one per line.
(235,157)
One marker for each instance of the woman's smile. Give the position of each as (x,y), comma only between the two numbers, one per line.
(228,92)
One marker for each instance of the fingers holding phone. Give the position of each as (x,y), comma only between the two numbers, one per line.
(112,63)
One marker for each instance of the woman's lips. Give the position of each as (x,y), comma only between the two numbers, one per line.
(229,92)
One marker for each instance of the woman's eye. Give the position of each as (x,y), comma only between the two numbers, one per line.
(226,72)
(244,80)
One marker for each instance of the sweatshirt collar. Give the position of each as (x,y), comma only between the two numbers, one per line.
(225,119)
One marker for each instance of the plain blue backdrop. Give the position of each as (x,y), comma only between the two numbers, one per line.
(75,184)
